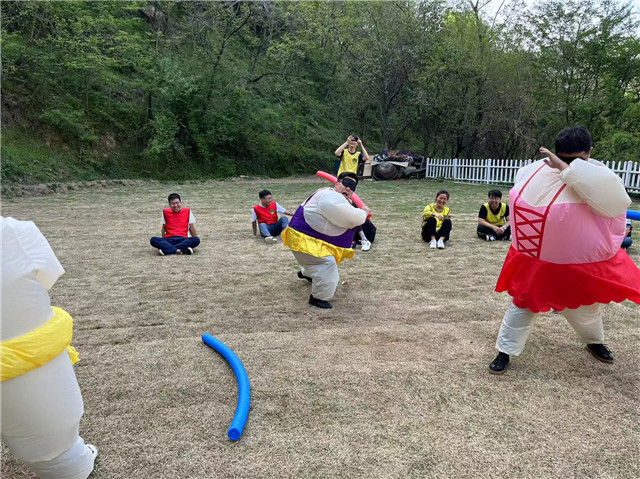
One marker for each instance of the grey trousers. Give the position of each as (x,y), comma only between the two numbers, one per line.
(518,323)
(323,271)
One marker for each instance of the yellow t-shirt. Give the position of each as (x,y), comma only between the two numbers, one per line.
(430,210)
(349,161)
(498,218)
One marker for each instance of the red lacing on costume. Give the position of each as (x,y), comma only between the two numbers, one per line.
(528,217)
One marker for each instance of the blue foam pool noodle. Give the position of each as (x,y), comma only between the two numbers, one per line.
(244,393)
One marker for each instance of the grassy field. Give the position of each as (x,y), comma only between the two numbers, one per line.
(391,383)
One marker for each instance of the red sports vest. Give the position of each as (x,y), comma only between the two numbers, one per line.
(177,224)
(267,215)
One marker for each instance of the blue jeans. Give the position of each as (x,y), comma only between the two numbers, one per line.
(274,229)
(172,244)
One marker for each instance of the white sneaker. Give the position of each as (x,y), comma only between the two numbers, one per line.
(440,244)
(160,252)
(366,245)
(270,239)
(491,238)
(433,244)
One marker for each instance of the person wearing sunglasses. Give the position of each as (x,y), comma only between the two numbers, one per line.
(320,234)
(568,221)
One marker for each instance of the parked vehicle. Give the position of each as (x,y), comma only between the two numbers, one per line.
(392,164)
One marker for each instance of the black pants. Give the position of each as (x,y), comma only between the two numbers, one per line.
(429,230)
(369,230)
(483,232)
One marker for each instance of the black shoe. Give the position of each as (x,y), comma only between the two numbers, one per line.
(302,276)
(319,303)
(499,364)
(600,352)
(187,251)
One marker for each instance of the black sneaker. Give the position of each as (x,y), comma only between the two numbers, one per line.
(302,276)
(499,364)
(187,251)
(319,303)
(600,352)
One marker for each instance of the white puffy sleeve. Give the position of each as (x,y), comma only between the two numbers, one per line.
(598,186)
(338,211)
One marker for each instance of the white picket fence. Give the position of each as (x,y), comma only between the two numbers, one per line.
(491,171)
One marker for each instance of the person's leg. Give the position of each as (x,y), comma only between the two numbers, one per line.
(516,327)
(369,230)
(506,235)
(586,322)
(429,230)
(264,229)
(163,244)
(323,272)
(185,243)
(444,230)
(483,232)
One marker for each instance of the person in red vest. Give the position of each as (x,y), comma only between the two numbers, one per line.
(178,229)
(264,217)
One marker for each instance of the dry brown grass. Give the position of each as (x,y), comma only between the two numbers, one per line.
(391,383)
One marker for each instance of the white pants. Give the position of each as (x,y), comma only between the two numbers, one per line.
(41,412)
(518,323)
(323,271)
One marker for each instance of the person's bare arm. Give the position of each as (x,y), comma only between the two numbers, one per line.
(341,148)
(365,155)
(192,229)
(163,231)
(254,225)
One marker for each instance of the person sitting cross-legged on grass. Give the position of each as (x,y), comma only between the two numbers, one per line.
(493,218)
(264,217)
(436,224)
(178,229)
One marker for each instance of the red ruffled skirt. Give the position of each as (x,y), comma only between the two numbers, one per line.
(540,286)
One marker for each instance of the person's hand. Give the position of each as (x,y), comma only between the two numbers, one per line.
(439,217)
(348,140)
(366,210)
(500,230)
(359,142)
(552,160)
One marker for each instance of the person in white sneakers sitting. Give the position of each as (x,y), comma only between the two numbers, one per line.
(493,219)
(178,229)
(264,217)
(436,221)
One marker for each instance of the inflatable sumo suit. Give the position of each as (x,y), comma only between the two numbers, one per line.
(567,228)
(41,400)
(320,235)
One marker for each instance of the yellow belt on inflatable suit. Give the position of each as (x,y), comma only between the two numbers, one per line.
(36,348)
(297,241)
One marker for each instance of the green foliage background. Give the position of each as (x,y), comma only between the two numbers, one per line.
(182,90)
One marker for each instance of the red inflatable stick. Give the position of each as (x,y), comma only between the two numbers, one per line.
(355,198)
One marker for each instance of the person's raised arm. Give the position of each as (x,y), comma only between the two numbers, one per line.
(341,148)
(365,155)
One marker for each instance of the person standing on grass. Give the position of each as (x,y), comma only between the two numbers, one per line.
(178,234)
(320,236)
(493,218)
(264,217)
(568,223)
(349,156)
(436,221)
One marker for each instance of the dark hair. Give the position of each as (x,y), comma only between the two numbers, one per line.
(173,196)
(495,194)
(355,138)
(264,193)
(573,139)
(442,192)
(348,174)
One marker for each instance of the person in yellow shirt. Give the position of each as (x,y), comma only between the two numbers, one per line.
(493,218)
(436,221)
(349,156)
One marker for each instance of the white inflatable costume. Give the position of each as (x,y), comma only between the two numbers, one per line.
(41,400)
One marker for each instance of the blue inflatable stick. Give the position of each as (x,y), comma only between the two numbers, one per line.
(244,393)
(633,215)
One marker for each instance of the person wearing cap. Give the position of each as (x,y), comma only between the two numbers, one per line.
(349,156)
(320,235)
(264,217)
